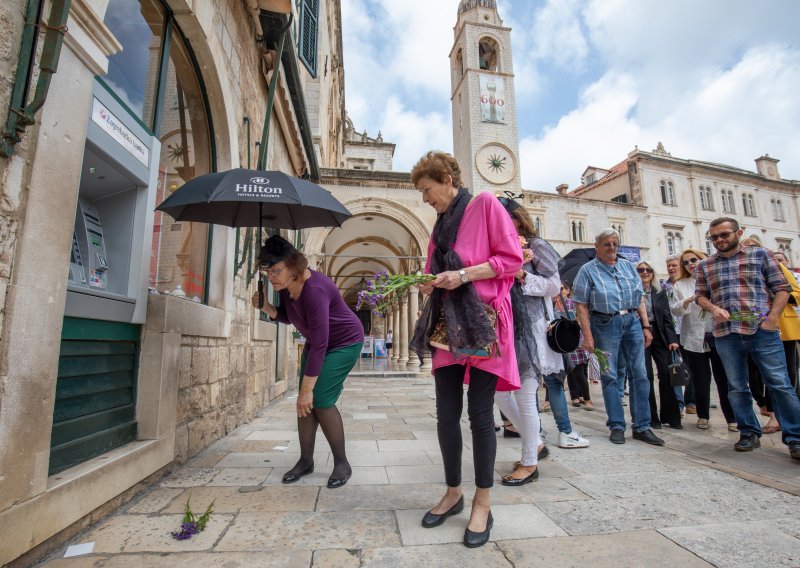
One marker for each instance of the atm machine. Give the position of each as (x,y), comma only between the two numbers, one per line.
(88,243)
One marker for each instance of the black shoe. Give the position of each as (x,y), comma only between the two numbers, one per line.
(677,426)
(514,482)
(655,425)
(648,437)
(334,482)
(431,520)
(794,450)
(747,443)
(543,454)
(617,436)
(292,475)
(509,433)
(476,539)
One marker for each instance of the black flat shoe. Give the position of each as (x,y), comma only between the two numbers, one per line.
(334,482)
(476,539)
(291,476)
(431,520)
(514,482)
(509,433)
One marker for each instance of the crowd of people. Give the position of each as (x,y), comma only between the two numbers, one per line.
(731,317)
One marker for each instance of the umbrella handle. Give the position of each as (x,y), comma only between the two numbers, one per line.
(260,293)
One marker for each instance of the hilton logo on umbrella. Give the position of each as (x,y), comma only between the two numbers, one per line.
(258,185)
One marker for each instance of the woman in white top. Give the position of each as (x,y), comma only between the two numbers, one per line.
(697,343)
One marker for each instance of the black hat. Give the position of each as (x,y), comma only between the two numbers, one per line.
(275,249)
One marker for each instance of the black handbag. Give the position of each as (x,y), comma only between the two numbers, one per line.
(563,334)
(679,373)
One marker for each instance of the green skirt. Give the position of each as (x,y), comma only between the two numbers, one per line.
(335,368)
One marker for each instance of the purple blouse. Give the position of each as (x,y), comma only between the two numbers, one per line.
(322,316)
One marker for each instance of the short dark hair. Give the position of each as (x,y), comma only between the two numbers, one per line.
(721,220)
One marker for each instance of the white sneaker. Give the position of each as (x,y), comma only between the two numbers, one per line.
(572,440)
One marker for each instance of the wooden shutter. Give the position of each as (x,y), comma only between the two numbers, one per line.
(307,47)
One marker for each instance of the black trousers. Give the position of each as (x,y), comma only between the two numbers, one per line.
(790,349)
(480,409)
(721,378)
(578,382)
(658,352)
(700,364)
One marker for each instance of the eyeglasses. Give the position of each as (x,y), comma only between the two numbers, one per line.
(693,260)
(644,270)
(273,271)
(723,235)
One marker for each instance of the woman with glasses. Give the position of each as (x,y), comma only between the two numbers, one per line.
(312,303)
(697,343)
(664,340)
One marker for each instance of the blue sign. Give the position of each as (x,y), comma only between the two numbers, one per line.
(631,253)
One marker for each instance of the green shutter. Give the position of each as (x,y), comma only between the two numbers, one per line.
(307,45)
(95,391)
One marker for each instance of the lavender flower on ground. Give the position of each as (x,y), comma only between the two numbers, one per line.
(191,524)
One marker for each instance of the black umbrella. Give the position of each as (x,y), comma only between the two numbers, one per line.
(252,198)
(573,261)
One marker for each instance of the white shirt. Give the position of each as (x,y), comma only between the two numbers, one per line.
(693,327)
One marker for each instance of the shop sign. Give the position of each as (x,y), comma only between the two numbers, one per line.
(113,126)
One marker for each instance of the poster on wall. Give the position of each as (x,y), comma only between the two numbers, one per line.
(492,99)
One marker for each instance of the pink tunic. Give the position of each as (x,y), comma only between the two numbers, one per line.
(486,234)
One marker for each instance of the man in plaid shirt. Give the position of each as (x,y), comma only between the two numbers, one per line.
(745,291)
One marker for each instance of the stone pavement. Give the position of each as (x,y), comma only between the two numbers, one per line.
(693,503)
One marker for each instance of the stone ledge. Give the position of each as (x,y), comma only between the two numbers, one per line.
(167,313)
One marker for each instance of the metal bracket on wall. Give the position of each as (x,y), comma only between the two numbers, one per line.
(20,114)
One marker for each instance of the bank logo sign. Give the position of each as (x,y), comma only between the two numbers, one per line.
(113,126)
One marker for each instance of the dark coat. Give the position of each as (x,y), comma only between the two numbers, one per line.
(663,316)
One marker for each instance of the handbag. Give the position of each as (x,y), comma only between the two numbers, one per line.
(563,334)
(439,338)
(679,372)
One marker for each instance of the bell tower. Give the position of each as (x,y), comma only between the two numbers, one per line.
(485,139)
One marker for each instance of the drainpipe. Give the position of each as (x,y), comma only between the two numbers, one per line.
(20,115)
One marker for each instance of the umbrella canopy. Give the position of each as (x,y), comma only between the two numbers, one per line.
(253,198)
(573,261)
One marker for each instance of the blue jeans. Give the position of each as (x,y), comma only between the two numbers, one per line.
(621,337)
(558,402)
(766,350)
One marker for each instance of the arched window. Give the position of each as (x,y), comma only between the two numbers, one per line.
(674,242)
(708,246)
(706,198)
(777,210)
(702,192)
(667,193)
(488,54)
(748,204)
(577,231)
(727,201)
(537,224)
(458,66)
(786,249)
(620,228)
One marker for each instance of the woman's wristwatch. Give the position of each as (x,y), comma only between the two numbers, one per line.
(464,277)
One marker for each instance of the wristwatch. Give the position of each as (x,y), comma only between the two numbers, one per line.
(464,277)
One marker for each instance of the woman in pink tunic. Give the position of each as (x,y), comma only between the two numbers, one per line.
(474,252)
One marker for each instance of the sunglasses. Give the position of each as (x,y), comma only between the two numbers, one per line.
(689,261)
(723,235)
(644,270)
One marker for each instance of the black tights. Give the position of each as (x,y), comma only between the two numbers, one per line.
(331,422)
(480,408)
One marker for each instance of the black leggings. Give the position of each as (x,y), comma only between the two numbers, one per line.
(700,365)
(480,408)
(578,382)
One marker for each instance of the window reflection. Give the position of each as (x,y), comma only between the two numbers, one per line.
(133,72)
(179,248)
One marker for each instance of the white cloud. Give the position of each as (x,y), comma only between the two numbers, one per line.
(414,133)
(558,36)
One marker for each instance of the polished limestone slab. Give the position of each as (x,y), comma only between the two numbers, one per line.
(233,500)
(147,533)
(446,555)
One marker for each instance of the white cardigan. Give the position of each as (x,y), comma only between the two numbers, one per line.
(693,327)
(549,361)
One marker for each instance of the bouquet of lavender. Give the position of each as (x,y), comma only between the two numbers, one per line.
(384,288)
(191,523)
(602,359)
(754,315)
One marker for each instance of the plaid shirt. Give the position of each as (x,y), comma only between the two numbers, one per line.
(743,282)
(608,289)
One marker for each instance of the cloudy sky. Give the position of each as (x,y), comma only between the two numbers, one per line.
(714,80)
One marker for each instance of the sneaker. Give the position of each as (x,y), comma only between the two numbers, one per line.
(702,423)
(572,440)
(747,443)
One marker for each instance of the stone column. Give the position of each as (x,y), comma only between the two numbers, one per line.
(396,328)
(403,335)
(413,307)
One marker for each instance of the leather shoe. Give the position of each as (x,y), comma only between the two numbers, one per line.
(510,433)
(514,482)
(617,436)
(648,437)
(431,520)
(476,539)
(747,443)
(794,450)
(334,482)
(291,476)
(655,425)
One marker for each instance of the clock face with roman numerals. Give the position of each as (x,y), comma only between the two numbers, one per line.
(496,164)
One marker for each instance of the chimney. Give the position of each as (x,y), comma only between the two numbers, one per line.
(768,167)
(562,189)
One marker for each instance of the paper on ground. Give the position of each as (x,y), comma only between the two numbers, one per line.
(79,549)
